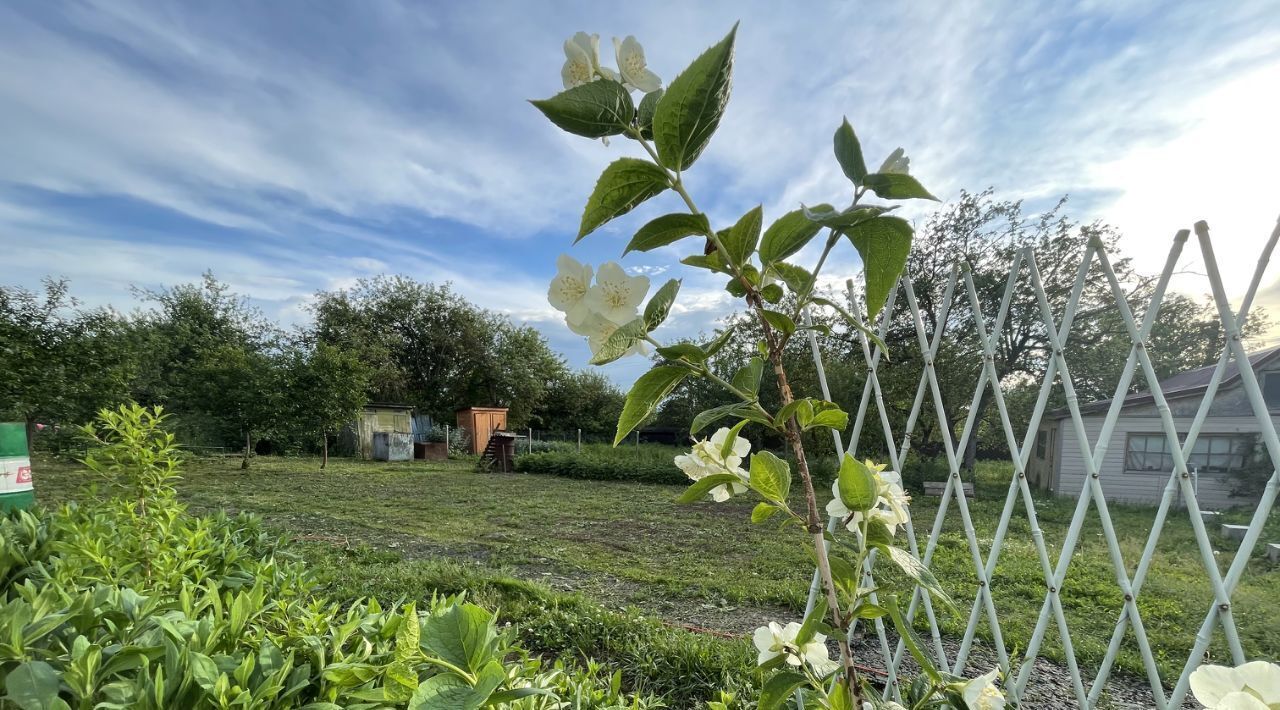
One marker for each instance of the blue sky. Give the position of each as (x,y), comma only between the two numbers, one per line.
(297,146)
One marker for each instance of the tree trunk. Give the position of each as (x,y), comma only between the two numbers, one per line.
(324,447)
(248,444)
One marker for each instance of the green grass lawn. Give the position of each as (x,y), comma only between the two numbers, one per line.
(705,565)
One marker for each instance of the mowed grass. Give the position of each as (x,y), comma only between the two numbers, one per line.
(706,565)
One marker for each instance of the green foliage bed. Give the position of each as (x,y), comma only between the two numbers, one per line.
(135,603)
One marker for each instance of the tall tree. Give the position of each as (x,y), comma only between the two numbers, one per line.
(583,400)
(325,388)
(431,348)
(241,389)
(59,363)
(985,235)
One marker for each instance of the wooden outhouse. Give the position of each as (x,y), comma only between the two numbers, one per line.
(480,423)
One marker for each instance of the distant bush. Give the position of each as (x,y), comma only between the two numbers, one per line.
(647,463)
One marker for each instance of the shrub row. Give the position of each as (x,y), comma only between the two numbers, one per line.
(598,462)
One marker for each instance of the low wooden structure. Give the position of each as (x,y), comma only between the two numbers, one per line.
(480,423)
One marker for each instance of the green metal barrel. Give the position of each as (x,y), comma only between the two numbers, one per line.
(16,491)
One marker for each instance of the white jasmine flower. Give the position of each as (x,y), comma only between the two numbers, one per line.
(981,693)
(632,65)
(615,295)
(582,61)
(1254,685)
(897,162)
(891,501)
(772,641)
(568,289)
(705,459)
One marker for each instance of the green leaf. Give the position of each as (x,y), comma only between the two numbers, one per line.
(827,216)
(849,153)
(909,637)
(763,511)
(703,486)
(463,635)
(711,262)
(685,351)
(786,236)
(916,570)
(445,691)
(867,610)
(204,671)
(884,244)
(593,110)
(813,622)
(718,342)
(655,312)
(844,574)
(857,485)
(897,186)
(644,116)
(829,415)
(624,184)
(797,278)
(667,229)
(771,293)
(779,321)
(726,448)
(778,689)
(620,342)
(33,686)
(652,387)
(747,378)
(689,112)
(503,698)
(840,697)
(770,476)
(742,238)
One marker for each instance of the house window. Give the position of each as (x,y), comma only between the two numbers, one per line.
(1271,389)
(1219,453)
(1042,437)
(1147,452)
(1213,453)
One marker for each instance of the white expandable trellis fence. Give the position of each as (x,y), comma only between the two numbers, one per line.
(1129,579)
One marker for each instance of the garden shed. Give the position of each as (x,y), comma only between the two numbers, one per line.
(1138,460)
(480,423)
(381,418)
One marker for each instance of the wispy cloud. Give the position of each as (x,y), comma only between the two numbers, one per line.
(292,149)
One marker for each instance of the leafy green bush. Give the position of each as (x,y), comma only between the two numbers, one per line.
(648,463)
(134,603)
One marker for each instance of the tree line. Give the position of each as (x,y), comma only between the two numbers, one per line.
(234,378)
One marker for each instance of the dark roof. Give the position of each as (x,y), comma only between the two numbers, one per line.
(1183,384)
(387,405)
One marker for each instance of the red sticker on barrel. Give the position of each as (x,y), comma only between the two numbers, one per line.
(24,474)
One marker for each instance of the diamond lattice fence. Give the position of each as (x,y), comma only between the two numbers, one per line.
(1178,497)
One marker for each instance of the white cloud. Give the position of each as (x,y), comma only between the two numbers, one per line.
(394,138)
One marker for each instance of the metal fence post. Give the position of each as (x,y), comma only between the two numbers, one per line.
(579,441)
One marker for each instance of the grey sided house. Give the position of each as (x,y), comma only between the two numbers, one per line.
(1137,462)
